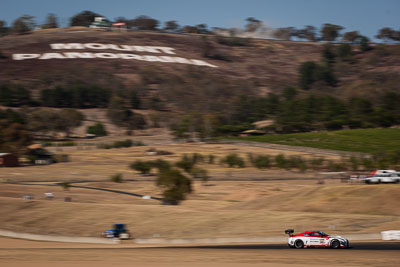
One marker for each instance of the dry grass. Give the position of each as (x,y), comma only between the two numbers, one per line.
(241,207)
(221,209)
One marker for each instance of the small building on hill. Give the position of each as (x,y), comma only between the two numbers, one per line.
(40,156)
(252,133)
(8,160)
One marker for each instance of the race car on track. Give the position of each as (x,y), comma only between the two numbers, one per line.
(315,239)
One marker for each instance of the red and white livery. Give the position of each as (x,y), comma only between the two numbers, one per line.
(315,239)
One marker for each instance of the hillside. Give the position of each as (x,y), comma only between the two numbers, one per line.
(270,65)
(223,83)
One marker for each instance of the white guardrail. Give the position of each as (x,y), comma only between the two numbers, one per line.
(391,235)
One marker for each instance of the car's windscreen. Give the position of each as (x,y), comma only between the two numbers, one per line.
(323,234)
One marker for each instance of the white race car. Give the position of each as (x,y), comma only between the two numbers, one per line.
(315,239)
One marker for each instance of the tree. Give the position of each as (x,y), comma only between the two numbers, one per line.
(97,129)
(171,25)
(364,44)
(23,25)
(135,100)
(51,22)
(84,18)
(69,119)
(330,32)
(176,185)
(49,121)
(190,29)
(344,51)
(284,33)
(289,93)
(143,167)
(388,34)
(202,28)
(4,30)
(307,77)
(308,33)
(253,24)
(145,23)
(122,116)
(14,137)
(351,37)
(328,54)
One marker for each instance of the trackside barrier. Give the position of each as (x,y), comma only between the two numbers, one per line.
(67,239)
(391,235)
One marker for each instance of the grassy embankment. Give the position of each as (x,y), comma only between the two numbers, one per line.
(360,140)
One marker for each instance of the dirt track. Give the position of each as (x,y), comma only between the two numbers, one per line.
(15,252)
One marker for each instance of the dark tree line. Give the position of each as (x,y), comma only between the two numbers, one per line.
(328,32)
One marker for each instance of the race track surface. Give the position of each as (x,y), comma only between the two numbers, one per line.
(17,253)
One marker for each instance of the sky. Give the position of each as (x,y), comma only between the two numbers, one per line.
(366,16)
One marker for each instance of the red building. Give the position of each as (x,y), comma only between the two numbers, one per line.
(8,160)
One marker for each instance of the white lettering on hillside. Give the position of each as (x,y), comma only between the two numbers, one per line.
(25,56)
(79,55)
(98,46)
(104,55)
(67,46)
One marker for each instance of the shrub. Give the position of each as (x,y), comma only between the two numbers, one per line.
(354,163)
(201,174)
(281,161)
(97,129)
(161,164)
(124,143)
(142,166)
(233,160)
(317,163)
(233,41)
(117,178)
(261,161)
(120,144)
(335,166)
(211,159)
(66,143)
(186,163)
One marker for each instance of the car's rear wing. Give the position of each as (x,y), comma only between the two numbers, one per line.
(289,232)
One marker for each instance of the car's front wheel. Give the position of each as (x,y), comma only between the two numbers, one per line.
(299,244)
(335,244)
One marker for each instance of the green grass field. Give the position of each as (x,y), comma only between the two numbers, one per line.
(360,140)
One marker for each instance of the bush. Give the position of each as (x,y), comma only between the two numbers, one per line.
(317,163)
(144,167)
(281,161)
(201,174)
(176,185)
(161,164)
(117,178)
(66,143)
(335,166)
(120,144)
(233,41)
(233,160)
(97,129)
(124,143)
(186,163)
(211,159)
(261,161)
(297,162)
